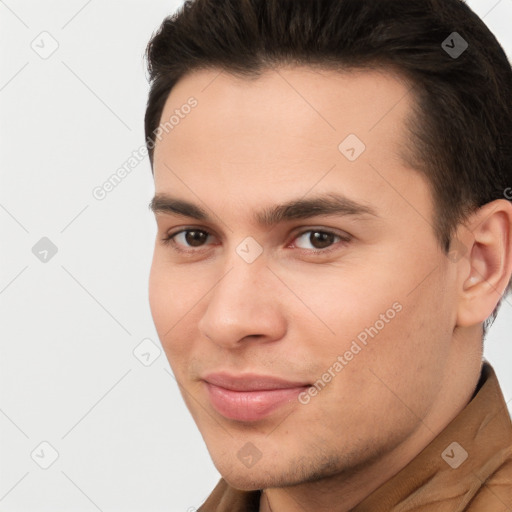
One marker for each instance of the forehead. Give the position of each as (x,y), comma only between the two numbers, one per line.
(290,127)
(283,107)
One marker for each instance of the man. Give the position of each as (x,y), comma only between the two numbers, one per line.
(332,185)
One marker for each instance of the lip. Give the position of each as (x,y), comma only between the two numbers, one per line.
(250,397)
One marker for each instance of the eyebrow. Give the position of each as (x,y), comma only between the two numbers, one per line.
(329,204)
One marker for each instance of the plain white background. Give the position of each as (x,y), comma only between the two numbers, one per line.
(71,326)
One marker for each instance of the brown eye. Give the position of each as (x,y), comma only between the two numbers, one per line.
(318,239)
(186,239)
(195,238)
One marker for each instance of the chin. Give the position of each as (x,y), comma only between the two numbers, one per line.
(246,483)
(259,476)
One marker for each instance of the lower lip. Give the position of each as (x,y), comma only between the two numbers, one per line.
(250,405)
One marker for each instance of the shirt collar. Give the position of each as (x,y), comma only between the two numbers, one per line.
(458,465)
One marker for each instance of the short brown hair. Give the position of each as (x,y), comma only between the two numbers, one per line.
(461,127)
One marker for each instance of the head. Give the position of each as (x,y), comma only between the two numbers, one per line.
(269,121)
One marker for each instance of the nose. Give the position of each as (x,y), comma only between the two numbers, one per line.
(245,304)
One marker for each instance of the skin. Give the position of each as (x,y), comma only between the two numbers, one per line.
(251,144)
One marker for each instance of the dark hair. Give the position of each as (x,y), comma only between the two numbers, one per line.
(461,125)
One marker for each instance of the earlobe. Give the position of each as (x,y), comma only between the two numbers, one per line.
(487,236)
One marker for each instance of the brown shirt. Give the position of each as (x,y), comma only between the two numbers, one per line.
(467,467)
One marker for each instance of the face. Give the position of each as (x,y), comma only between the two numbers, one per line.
(293,331)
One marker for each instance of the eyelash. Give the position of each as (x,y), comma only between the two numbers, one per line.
(169,241)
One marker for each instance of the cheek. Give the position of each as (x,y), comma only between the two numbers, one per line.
(174,304)
(166,302)
(159,299)
(407,357)
(351,306)
(397,320)
(169,291)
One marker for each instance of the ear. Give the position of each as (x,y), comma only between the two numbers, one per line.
(484,271)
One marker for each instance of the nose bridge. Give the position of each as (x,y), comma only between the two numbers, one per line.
(241,302)
(246,269)
(242,285)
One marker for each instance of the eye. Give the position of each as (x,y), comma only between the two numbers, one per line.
(186,238)
(321,241)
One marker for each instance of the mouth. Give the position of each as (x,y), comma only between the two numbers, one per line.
(250,397)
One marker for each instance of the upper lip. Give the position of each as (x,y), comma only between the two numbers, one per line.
(250,382)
